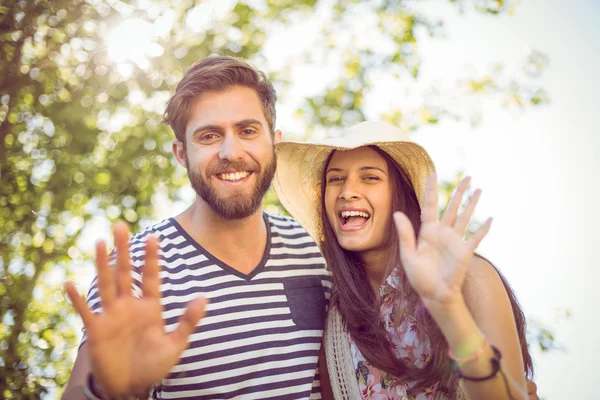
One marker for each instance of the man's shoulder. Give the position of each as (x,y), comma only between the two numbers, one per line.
(282,220)
(161,229)
(286,225)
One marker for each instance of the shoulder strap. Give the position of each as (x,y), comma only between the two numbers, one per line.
(339,359)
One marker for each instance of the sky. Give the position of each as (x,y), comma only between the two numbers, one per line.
(538,172)
(537,168)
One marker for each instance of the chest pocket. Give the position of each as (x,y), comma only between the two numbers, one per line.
(306,300)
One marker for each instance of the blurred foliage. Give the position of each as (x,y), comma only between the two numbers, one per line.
(81,134)
(371,40)
(541,336)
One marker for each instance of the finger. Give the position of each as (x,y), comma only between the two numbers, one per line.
(479,234)
(106,285)
(406,235)
(79,304)
(188,321)
(150,273)
(460,226)
(532,390)
(123,270)
(429,213)
(452,208)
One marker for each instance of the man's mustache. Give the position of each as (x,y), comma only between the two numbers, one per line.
(229,167)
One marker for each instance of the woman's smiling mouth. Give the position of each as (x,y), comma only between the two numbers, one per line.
(353,219)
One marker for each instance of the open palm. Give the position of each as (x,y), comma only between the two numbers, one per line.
(129,348)
(436,262)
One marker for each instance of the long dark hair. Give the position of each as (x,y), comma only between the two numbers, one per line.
(360,310)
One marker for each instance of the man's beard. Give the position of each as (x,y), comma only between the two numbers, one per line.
(235,206)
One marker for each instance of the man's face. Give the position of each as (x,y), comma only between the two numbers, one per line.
(229,154)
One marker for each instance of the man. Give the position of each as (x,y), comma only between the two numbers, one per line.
(256,282)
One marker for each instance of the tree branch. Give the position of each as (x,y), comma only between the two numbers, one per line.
(12,73)
(12,352)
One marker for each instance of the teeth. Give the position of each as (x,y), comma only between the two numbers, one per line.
(346,214)
(234,176)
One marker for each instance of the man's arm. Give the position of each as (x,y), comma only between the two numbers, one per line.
(77,380)
(532,390)
(326,391)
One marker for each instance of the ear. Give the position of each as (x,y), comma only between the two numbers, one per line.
(178,149)
(277,136)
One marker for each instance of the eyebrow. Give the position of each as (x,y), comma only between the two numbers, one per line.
(246,122)
(218,128)
(365,168)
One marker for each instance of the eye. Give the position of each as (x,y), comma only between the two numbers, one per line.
(334,179)
(208,137)
(248,132)
(372,178)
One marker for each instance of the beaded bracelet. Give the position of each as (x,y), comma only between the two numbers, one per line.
(495,361)
(468,359)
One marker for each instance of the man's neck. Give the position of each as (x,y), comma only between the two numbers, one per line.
(238,243)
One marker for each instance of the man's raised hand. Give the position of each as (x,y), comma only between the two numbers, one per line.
(129,348)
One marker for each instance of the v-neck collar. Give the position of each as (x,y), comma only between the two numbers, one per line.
(227,268)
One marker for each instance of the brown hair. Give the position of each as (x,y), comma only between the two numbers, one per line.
(359,308)
(215,74)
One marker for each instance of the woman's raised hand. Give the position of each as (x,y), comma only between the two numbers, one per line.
(436,262)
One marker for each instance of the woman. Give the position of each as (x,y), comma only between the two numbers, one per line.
(414,314)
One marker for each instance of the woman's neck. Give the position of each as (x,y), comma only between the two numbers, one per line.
(376,267)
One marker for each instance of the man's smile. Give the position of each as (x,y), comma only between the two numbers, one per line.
(237,176)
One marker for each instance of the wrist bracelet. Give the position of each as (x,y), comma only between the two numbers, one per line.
(473,357)
(495,361)
(88,389)
(91,392)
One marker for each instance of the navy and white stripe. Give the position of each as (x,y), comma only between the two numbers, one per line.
(261,335)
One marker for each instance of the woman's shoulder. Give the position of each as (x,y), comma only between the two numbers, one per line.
(483,287)
(481,271)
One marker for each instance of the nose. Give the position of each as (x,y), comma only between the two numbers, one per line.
(348,192)
(231,148)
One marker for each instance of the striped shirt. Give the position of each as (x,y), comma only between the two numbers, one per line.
(261,335)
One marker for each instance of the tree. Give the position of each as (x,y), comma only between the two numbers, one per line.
(81,134)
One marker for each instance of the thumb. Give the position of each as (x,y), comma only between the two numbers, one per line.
(188,321)
(406,235)
(79,304)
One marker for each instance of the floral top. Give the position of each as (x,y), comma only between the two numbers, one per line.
(409,345)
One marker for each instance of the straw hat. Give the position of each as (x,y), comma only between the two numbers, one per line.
(300,167)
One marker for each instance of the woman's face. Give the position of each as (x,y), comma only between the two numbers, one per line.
(358,199)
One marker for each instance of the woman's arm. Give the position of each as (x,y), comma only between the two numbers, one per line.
(491,311)
(472,316)
(483,313)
